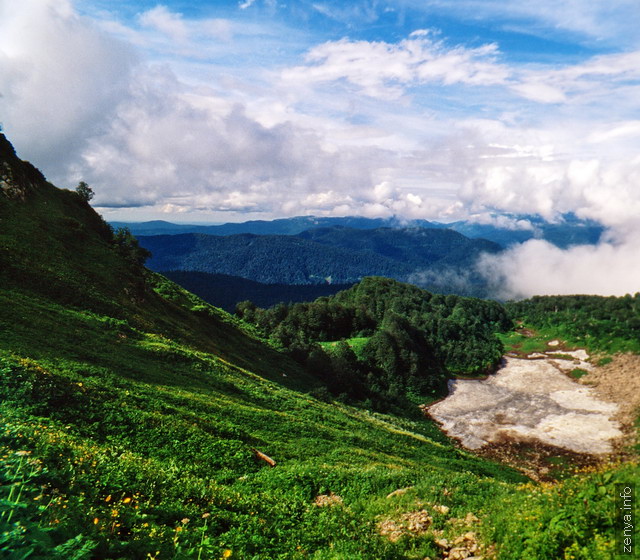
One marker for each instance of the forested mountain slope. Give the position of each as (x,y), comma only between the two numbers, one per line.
(270,259)
(226,291)
(418,247)
(336,255)
(388,340)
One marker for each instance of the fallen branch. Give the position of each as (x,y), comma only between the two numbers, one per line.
(260,455)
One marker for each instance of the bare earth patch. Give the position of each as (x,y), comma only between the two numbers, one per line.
(531,411)
(619,382)
(328,500)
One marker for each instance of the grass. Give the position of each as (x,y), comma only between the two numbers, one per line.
(524,344)
(356,344)
(129,432)
(128,444)
(577,373)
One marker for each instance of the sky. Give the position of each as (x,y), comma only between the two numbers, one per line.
(219,111)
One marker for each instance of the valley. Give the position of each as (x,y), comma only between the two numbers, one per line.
(136,417)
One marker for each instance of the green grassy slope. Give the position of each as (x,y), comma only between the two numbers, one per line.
(601,324)
(131,412)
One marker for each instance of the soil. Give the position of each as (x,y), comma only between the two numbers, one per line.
(619,382)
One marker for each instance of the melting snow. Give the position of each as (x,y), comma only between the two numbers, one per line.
(529,400)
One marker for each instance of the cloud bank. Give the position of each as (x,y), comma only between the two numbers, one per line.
(539,268)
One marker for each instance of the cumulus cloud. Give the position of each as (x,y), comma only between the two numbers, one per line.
(77,103)
(167,147)
(602,189)
(502,221)
(60,78)
(385,70)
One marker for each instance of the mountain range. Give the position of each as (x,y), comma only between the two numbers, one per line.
(307,250)
(567,230)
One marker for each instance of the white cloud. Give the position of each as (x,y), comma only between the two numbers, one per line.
(204,154)
(539,268)
(165,21)
(593,21)
(59,79)
(594,81)
(386,70)
(536,90)
(601,188)
(76,103)
(502,221)
(183,131)
(560,172)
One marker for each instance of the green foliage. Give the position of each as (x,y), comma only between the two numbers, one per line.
(523,342)
(85,191)
(125,462)
(129,247)
(337,255)
(131,411)
(574,519)
(408,340)
(601,324)
(226,292)
(577,373)
(268,259)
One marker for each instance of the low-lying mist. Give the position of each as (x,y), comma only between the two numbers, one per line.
(540,268)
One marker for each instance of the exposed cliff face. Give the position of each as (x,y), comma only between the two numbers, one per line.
(17,177)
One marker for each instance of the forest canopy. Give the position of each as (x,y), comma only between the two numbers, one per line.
(384,340)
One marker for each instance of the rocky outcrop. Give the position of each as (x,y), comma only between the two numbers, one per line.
(17,177)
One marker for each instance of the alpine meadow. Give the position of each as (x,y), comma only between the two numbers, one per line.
(319,280)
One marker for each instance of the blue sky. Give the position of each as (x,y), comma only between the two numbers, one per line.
(259,108)
(233,110)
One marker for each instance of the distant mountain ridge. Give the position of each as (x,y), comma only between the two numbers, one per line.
(281,226)
(568,230)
